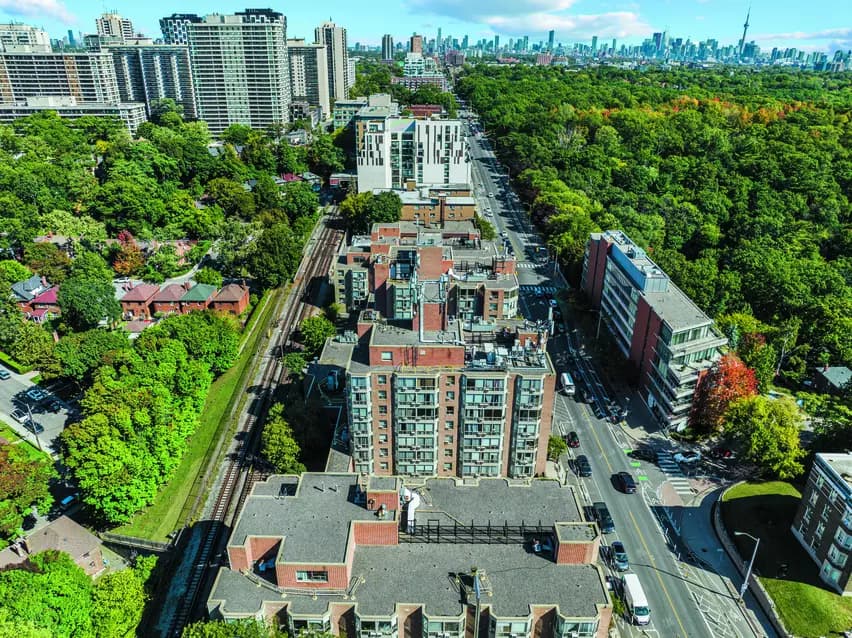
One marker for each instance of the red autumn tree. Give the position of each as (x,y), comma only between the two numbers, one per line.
(128,258)
(728,380)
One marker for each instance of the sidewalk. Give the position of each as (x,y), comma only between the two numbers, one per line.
(696,531)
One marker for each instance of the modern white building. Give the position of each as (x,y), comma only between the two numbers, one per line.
(22,38)
(132,114)
(87,77)
(113,26)
(174,27)
(334,39)
(240,68)
(309,74)
(394,152)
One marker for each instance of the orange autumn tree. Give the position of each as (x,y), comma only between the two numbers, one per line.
(728,380)
(128,259)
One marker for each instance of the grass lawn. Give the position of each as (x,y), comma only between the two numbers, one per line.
(14,438)
(766,510)
(175,500)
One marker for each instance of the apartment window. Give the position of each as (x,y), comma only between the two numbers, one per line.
(310,576)
(383,379)
(448,453)
(451,410)
(448,466)
(448,440)
(383,438)
(383,424)
(843,539)
(825,511)
(806,515)
(820,529)
(383,409)
(448,425)
(814,497)
(383,465)
(829,573)
(383,452)
(451,380)
(451,395)
(387,356)
(383,394)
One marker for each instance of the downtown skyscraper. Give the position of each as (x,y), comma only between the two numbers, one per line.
(387,47)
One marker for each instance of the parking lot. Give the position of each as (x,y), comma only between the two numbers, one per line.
(14,400)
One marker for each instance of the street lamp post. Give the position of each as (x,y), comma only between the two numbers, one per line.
(750,563)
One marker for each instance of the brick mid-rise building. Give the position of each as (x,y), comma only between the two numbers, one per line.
(381,556)
(442,375)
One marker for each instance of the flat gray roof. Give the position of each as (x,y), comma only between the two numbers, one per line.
(496,501)
(313,516)
(676,309)
(425,574)
(576,532)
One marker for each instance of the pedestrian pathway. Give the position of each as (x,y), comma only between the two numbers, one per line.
(676,478)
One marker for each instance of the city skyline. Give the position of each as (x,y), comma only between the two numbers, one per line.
(771,24)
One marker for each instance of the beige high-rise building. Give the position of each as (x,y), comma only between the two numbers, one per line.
(240,69)
(113,26)
(337,54)
(415,45)
(23,38)
(309,74)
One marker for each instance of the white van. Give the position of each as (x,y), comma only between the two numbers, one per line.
(634,599)
(567,384)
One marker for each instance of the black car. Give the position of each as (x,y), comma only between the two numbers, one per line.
(603,517)
(584,469)
(32,426)
(625,482)
(572,439)
(643,454)
(54,406)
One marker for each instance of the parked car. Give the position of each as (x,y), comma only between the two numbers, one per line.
(20,416)
(32,426)
(643,454)
(603,517)
(572,439)
(4,374)
(625,482)
(619,557)
(583,466)
(36,393)
(687,457)
(722,453)
(55,406)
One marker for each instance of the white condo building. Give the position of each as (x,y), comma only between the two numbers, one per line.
(23,38)
(334,39)
(115,27)
(240,68)
(309,74)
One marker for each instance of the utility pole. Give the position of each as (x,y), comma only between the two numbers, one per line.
(33,426)
(750,563)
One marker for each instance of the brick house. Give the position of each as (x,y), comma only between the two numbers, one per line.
(45,305)
(167,301)
(27,290)
(233,298)
(136,304)
(198,297)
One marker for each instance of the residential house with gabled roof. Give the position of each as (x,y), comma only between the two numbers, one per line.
(28,289)
(137,303)
(45,305)
(233,298)
(198,297)
(167,301)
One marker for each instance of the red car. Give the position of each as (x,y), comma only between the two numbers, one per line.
(572,439)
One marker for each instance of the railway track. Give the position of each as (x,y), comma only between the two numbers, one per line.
(239,473)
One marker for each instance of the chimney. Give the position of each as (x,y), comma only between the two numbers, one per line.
(825,367)
(187,285)
(44,281)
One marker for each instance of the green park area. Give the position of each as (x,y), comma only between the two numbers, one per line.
(178,497)
(766,510)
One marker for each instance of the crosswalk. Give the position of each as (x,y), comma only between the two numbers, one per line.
(526,264)
(547,290)
(675,476)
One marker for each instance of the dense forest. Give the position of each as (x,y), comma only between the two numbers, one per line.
(737,182)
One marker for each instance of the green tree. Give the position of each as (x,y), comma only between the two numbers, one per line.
(233,199)
(48,261)
(276,256)
(315,331)
(267,194)
(239,629)
(87,302)
(324,157)
(209,276)
(556,447)
(165,261)
(236,134)
(24,482)
(118,599)
(769,431)
(90,265)
(279,446)
(33,346)
(210,337)
(299,200)
(51,593)
(362,210)
(81,353)
(12,271)
(486,229)
(295,362)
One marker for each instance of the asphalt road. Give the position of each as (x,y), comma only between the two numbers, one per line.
(674,610)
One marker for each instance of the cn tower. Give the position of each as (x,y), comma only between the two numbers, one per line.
(745,31)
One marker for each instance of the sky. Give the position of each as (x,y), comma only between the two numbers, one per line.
(781,23)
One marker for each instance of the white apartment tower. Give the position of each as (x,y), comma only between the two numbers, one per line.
(112,25)
(334,39)
(24,39)
(240,68)
(309,74)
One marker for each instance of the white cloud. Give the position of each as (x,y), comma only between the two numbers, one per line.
(843,33)
(533,17)
(39,9)
(617,24)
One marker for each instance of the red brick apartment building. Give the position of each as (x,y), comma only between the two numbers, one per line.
(376,556)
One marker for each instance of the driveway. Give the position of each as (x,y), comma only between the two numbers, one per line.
(13,396)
